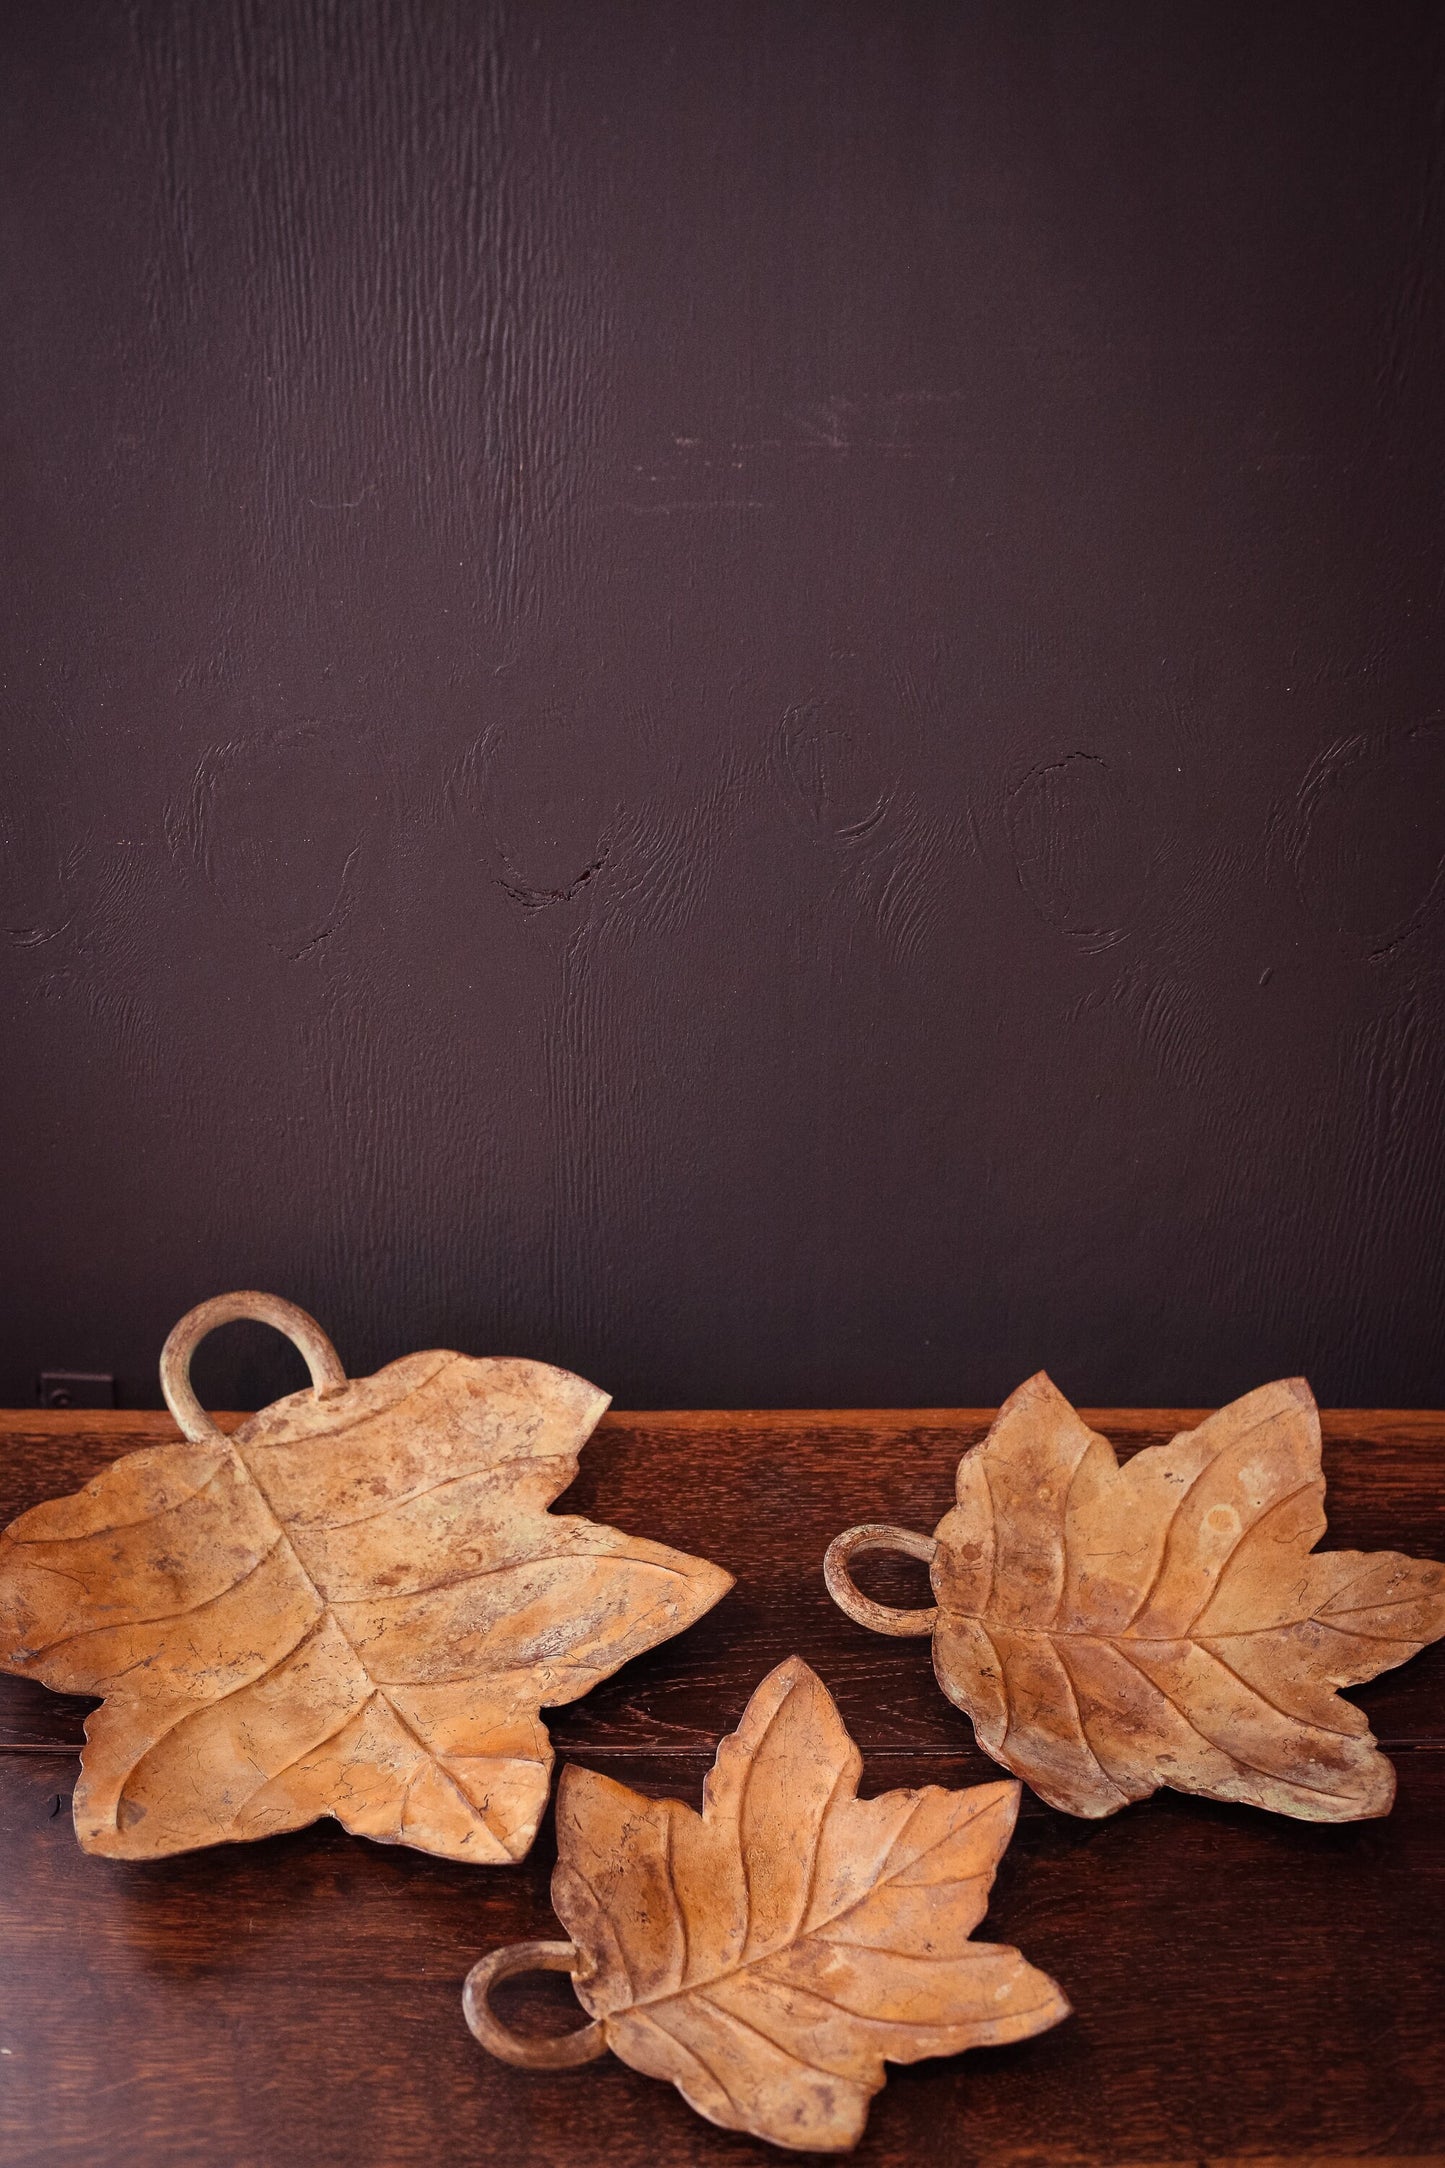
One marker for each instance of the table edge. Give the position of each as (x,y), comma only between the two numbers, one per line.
(1335,1422)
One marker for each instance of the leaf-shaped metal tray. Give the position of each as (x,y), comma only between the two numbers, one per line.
(1111,1630)
(356,1605)
(770,1954)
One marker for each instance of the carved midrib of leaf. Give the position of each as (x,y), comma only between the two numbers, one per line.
(801,1933)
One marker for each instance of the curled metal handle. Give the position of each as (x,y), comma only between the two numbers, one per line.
(327,1376)
(542,2051)
(880,1617)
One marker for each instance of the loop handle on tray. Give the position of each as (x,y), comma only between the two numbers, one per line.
(540,2051)
(880,1618)
(322,1360)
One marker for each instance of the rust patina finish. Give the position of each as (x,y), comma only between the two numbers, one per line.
(356,1605)
(1111,1630)
(770,1954)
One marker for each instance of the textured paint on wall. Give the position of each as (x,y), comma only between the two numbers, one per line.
(749,696)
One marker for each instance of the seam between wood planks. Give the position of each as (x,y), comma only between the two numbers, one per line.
(1428,1424)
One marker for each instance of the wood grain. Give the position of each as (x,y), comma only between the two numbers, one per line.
(746,696)
(1261,1987)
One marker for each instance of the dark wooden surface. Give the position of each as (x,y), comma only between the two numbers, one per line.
(1244,1986)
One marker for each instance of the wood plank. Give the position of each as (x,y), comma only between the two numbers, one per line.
(1244,1985)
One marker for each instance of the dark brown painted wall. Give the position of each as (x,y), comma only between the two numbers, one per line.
(752,696)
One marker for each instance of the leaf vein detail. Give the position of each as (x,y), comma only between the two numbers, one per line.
(118,1528)
(1240,1761)
(203,1708)
(819,1928)
(1226,1445)
(789,2054)
(403,1499)
(1089,1748)
(911,2024)
(1259,1694)
(161,1618)
(1243,1537)
(328,1612)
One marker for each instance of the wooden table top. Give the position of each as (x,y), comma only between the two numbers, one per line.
(1245,1986)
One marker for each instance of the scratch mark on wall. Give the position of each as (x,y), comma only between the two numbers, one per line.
(1365,836)
(538,899)
(277,824)
(1069,825)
